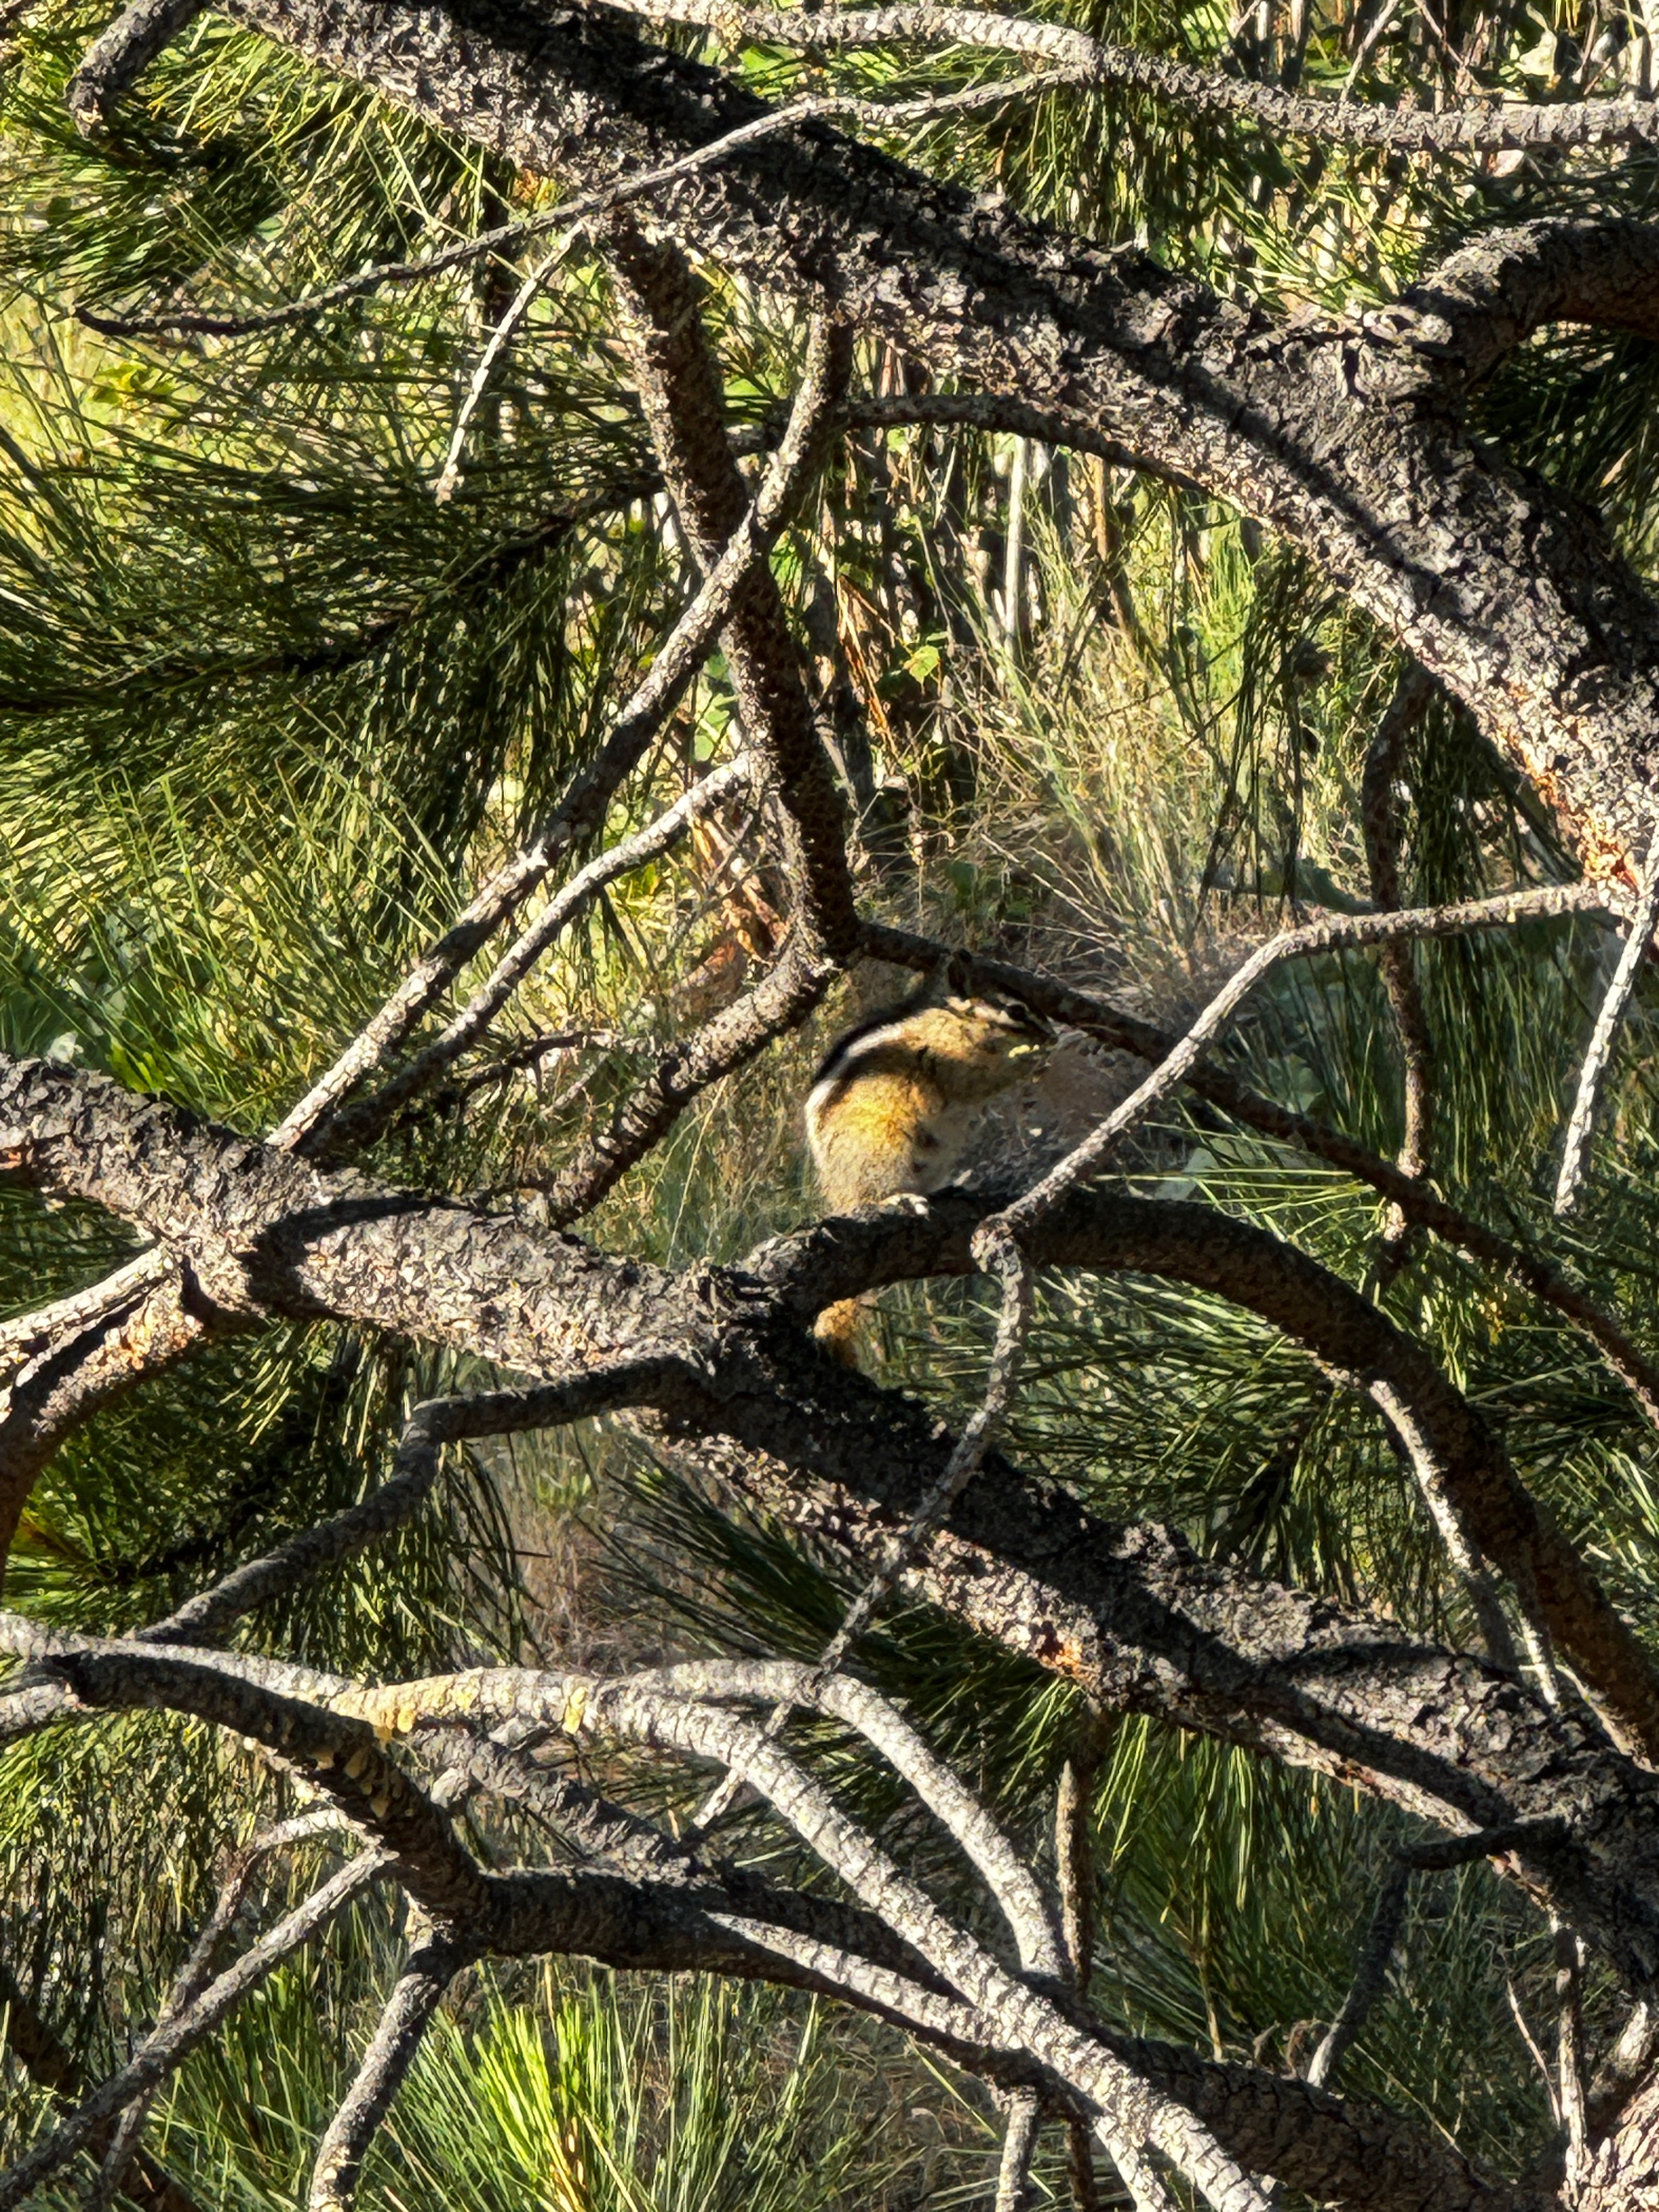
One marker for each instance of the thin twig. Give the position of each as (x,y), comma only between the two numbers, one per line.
(777,1005)
(435,1957)
(1435,1479)
(435,1422)
(1074,1863)
(1581,1126)
(1394,962)
(1074,1874)
(360,1124)
(1004,1234)
(1338,932)
(1371,1975)
(525,1058)
(1546,2072)
(192,1978)
(1019,1894)
(167,2047)
(500,338)
(1018,2141)
(1570,2049)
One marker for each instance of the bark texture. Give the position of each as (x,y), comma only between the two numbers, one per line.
(1345,438)
(1129,1613)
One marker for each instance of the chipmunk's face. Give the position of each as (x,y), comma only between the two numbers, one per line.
(1006,1036)
(896,1099)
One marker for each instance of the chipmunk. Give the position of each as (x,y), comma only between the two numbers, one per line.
(893,1105)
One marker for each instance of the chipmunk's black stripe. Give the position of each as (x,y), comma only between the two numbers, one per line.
(900,1011)
(903,1010)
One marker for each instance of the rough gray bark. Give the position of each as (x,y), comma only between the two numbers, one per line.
(115,61)
(1128,1613)
(1346,440)
(677,1911)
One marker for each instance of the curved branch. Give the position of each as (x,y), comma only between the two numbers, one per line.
(635,1711)
(1495,292)
(1498,127)
(70,1360)
(1127,1614)
(779,1682)
(1126,1032)
(120,56)
(1341,439)
(1350,1339)
(341,1758)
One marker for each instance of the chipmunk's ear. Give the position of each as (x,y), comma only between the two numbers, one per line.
(951,978)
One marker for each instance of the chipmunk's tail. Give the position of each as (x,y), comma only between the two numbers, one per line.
(839,1329)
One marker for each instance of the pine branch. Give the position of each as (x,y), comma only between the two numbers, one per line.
(1499,126)
(162,2052)
(1126,1032)
(435,1957)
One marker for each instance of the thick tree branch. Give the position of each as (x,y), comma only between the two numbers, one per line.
(1491,296)
(1350,1339)
(342,1760)
(672,1913)
(1339,439)
(1130,1615)
(682,392)
(119,57)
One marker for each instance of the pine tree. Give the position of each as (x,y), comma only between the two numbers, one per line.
(550,562)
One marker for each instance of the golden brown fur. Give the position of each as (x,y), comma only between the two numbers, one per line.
(894,1103)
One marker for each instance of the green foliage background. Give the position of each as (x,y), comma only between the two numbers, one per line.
(267,710)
